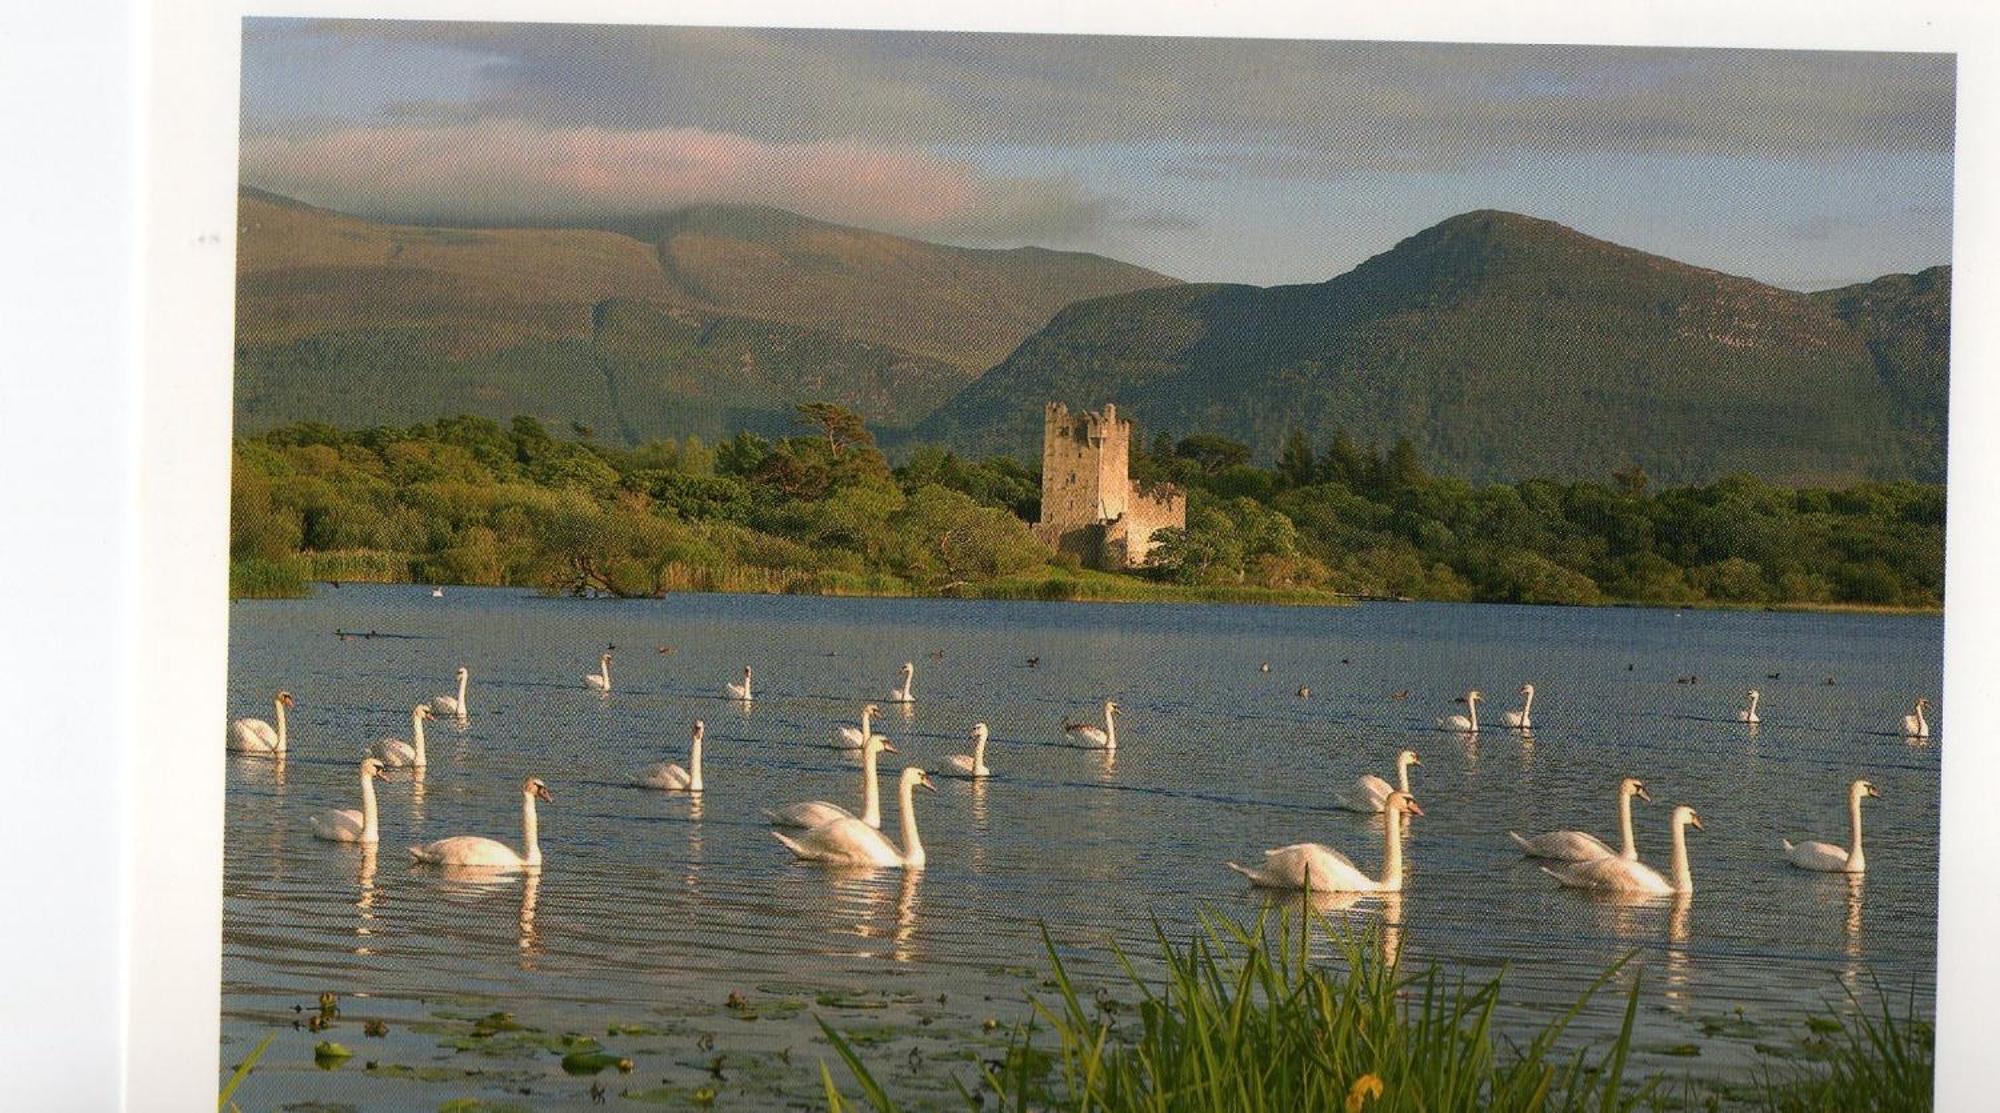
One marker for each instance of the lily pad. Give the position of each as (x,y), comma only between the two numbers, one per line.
(328,1055)
(591,1061)
(1824,1025)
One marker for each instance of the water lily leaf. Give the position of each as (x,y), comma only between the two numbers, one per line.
(328,1055)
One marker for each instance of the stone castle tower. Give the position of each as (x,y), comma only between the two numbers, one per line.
(1090,507)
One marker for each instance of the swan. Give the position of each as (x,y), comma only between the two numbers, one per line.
(346,824)
(455,706)
(600,681)
(1581,846)
(974,763)
(437,593)
(740,691)
(849,841)
(903,694)
(851,738)
(255,736)
(1322,869)
(1618,875)
(395,752)
(1749,712)
(672,777)
(1524,718)
(1828,858)
(1467,723)
(1370,793)
(1914,724)
(815,813)
(476,850)
(1090,735)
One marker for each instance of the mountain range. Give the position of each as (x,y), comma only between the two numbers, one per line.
(1501,345)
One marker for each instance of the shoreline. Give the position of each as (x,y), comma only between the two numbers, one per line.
(1110,589)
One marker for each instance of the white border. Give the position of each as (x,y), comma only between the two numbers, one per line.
(172,921)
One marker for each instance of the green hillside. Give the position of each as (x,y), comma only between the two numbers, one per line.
(1503,346)
(725,319)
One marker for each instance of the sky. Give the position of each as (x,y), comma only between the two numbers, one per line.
(1256,161)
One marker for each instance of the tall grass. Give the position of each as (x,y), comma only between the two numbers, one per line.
(1875,1063)
(1241,1019)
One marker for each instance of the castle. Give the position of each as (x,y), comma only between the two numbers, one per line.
(1090,507)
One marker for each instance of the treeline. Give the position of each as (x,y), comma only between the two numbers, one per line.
(467,500)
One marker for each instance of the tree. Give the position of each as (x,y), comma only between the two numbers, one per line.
(842,426)
(1214,453)
(1295,459)
(1343,462)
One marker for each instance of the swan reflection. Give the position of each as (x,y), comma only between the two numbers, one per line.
(365,901)
(530,941)
(1679,956)
(906,917)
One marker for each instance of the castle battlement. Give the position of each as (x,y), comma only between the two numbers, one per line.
(1090,506)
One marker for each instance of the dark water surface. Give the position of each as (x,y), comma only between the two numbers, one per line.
(653,909)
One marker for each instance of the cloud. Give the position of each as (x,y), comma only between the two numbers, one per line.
(501,170)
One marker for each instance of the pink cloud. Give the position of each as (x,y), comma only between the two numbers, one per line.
(509,169)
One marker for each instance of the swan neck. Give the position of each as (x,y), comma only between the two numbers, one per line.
(694,764)
(1683,877)
(279,705)
(979,754)
(463,678)
(417,735)
(913,847)
(529,830)
(1472,712)
(1628,847)
(1403,776)
(1392,850)
(871,790)
(1854,827)
(1110,729)
(370,829)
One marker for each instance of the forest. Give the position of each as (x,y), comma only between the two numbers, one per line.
(467,500)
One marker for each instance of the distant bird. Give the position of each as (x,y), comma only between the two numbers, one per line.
(1749,712)
(1524,718)
(1827,858)
(740,691)
(1102,738)
(1346,660)
(1265,667)
(1914,724)
(1305,692)
(1402,695)
(664,649)
(904,694)
(601,679)
(1770,676)
(1467,723)
(1628,666)
(1830,681)
(1686,679)
(1033,661)
(936,654)
(437,593)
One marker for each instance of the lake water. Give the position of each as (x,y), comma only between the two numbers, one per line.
(652,909)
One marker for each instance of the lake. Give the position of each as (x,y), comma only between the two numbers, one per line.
(679,933)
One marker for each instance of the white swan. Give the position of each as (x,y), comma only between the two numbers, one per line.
(1618,875)
(903,694)
(437,593)
(849,841)
(1322,869)
(1749,712)
(395,752)
(1914,724)
(255,736)
(599,681)
(478,851)
(1581,846)
(1370,793)
(1828,858)
(1469,722)
(974,763)
(817,813)
(672,777)
(458,707)
(1524,718)
(740,691)
(1105,738)
(346,824)
(851,738)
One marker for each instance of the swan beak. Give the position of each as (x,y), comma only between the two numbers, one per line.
(1695,822)
(889,747)
(1641,793)
(926,782)
(1415,760)
(542,794)
(1871,790)
(1410,806)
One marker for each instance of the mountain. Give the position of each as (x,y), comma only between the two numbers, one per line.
(1504,346)
(705,320)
